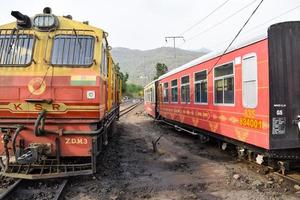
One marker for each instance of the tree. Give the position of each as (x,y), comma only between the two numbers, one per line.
(161,69)
(123,77)
(134,90)
(124,81)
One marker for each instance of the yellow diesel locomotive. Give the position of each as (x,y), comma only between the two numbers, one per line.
(59,96)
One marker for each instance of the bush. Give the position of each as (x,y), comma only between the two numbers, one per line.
(133,90)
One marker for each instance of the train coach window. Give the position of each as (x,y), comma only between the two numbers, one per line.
(16,49)
(151,95)
(174,91)
(152,91)
(249,77)
(72,50)
(166,92)
(185,89)
(224,84)
(147,95)
(201,87)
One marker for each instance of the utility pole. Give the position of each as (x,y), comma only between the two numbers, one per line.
(174,41)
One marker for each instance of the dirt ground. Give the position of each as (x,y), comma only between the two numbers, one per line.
(182,169)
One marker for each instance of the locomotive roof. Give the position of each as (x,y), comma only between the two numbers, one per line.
(64,23)
(212,55)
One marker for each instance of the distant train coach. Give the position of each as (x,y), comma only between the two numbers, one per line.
(249,96)
(59,96)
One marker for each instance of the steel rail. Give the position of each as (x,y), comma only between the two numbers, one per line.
(126,108)
(10,189)
(13,189)
(130,108)
(61,189)
(292,176)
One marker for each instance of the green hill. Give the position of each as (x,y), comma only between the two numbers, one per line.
(140,65)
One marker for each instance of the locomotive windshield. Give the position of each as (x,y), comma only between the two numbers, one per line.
(16,49)
(73,50)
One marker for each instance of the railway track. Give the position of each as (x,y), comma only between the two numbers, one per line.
(292,176)
(51,189)
(129,108)
(7,186)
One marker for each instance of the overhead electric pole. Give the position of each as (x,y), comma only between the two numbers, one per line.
(174,41)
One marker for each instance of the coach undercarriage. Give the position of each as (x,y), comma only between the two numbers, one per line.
(282,160)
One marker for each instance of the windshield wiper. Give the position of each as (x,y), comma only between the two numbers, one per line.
(12,42)
(79,42)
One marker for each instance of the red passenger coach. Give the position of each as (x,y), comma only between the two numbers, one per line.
(213,99)
(248,96)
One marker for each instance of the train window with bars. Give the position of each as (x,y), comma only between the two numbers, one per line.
(185,89)
(146,95)
(201,87)
(152,94)
(149,95)
(224,84)
(146,92)
(166,92)
(16,49)
(174,91)
(249,77)
(73,50)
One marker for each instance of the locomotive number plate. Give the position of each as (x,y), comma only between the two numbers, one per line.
(251,123)
(76,141)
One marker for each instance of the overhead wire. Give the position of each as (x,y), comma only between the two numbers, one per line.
(262,24)
(238,33)
(204,18)
(220,22)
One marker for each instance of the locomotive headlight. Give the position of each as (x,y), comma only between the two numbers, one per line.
(90,94)
(45,21)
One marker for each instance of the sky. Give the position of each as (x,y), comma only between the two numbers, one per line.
(144,24)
